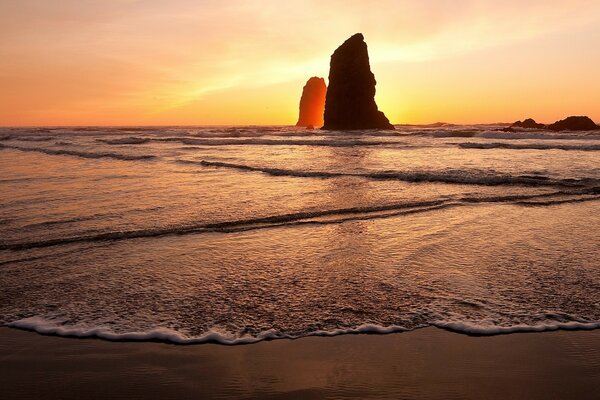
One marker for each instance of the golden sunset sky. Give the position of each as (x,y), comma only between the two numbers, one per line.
(184,62)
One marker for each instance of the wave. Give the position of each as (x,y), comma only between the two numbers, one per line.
(207,132)
(256,133)
(445,134)
(490,330)
(17,180)
(532,146)
(462,177)
(433,125)
(82,154)
(554,202)
(226,226)
(91,217)
(251,140)
(35,138)
(319,217)
(487,134)
(127,140)
(297,133)
(283,142)
(163,334)
(249,134)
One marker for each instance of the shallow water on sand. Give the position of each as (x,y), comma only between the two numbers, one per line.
(237,234)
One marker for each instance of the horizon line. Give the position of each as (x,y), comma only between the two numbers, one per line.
(219,125)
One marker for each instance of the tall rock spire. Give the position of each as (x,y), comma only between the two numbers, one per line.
(312,103)
(350,101)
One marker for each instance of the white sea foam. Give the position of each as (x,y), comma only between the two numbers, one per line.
(489,329)
(531,146)
(545,135)
(82,154)
(517,135)
(163,334)
(343,142)
(448,176)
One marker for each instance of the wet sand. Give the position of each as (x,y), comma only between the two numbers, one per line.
(423,364)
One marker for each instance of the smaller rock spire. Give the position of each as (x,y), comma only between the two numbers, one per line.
(312,103)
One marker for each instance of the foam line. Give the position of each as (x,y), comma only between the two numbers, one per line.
(490,330)
(127,140)
(346,142)
(163,334)
(82,154)
(468,177)
(511,146)
(300,218)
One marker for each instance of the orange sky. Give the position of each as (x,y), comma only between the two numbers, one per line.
(150,62)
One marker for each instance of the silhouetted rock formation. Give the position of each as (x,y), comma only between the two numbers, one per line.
(574,124)
(350,102)
(312,103)
(528,124)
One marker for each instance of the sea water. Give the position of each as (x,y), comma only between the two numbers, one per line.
(238,234)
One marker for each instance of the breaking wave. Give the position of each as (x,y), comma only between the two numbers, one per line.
(163,334)
(35,138)
(48,228)
(346,142)
(256,140)
(127,140)
(470,177)
(488,134)
(532,146)
(49,327)
(490,330)
(319,217)
(82,154)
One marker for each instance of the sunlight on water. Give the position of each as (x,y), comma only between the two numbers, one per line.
(240,234)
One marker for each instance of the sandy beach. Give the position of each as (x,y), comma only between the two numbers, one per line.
(424,364)
(299,200)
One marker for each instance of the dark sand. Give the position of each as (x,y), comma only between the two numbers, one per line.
(423,364)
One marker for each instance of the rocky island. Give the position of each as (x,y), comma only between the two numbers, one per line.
(350,101)
(578,123)
(575,123)
(529,123)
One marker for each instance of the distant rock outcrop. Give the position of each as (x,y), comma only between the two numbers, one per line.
(350,101)
(528,124)
(312,103)
(574,124)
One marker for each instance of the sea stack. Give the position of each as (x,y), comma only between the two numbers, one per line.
(312,103)
(579,123)
(529,123)
(350,101)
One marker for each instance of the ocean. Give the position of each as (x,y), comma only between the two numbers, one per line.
(240,234)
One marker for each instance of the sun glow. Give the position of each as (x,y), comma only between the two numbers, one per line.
(195,62)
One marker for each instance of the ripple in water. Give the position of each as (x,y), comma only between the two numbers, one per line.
(271,233)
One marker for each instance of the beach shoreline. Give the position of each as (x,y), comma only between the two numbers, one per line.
(426,363)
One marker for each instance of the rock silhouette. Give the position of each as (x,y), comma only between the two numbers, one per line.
(312,103)
(578,123)
(528,124)
(350,101)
